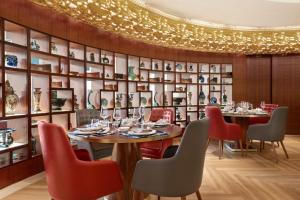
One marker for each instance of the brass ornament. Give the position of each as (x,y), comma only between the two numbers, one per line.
(137,22)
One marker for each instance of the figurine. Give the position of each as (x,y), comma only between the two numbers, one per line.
(12,99)
(36,99)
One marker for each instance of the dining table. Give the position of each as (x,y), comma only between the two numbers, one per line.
(243,118)
(126,151)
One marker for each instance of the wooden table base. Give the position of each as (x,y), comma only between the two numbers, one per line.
(127,155)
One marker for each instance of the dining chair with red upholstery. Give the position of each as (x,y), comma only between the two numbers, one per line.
(69,178)
(156,149)
(221,130)
(263,120)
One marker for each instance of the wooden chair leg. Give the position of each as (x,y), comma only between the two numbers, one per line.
(158,197)
(241,145)
(198,195)
(247,146)
(220,148)
(263,145)
(260,145)
(183,198)
(284,149)
(274,152)
(208,141)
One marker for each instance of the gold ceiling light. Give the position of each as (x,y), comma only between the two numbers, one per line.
(137,22)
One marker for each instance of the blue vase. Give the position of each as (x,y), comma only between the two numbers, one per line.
(11,60)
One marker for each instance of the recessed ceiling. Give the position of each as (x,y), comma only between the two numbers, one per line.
(247,13)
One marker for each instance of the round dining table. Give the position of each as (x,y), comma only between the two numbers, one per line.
(126,150)
(243,120)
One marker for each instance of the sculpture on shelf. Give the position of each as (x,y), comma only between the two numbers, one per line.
(57,103)
(37,99)
(191,68)
(76,105)
(104,102)
(130,100)
(156,66)
(6,138)
(53,47)
(131,75)
(142,65)
(72,54)
(92,57)
(156,102)
(177,113)
(166,103)
(11,60)
(12,98)
(143,101)
(90,105)
(35,45)
(201,96)
(190,98)
(33,145)
(201,79)
(119,98)
(213,68)
(224,97)
(105,59)
(168,67)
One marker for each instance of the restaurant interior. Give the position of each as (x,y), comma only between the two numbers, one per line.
(162,100)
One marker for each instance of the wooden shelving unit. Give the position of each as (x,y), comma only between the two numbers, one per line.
(88,77)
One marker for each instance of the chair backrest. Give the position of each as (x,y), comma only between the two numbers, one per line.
(217,122)
(270,107)
(59,157)
(189,159)
(160,113)
(84,116)
(278,122)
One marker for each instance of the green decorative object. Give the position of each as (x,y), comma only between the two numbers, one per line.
(155,99)
(90,105)
(179,66)
(224,97)
(131,74)
(11,99)
(143,101)
(104,102)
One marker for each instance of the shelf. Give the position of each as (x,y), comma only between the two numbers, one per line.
(12,147)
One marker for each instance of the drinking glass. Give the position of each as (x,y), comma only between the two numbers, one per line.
(262,105)
(104,114)
(94,122)
(136,115)
(117,114)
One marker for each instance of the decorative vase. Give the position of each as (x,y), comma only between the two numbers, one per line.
(92,57)
(130,99)
(190,98)
(36,99)
(213,68)
(6,138)
(104,102)
(105,60)
(213,100)
(156,66)
(201,79)
(191,68)
(11,100)
(177,113)
(131,74)
(118,100)
(201,96)
(11,60)
(224,97)
(143,101)
(178,66)
(72,54)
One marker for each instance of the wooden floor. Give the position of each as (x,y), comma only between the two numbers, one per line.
(256,177)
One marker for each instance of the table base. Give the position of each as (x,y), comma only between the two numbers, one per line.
(234,148)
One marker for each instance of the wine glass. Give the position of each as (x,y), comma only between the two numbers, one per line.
(262,104)
(117,114)
(94,122)
(136,114)
(104,114)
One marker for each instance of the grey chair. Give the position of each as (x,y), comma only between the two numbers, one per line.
(179,175)
(95,150)
(273,131)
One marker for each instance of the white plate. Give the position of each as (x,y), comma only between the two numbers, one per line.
(133,133)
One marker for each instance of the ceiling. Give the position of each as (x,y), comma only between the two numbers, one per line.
(249,13)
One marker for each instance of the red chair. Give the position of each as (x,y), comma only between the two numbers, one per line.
(69,178)
(221,130)
(156,149)
(263,120)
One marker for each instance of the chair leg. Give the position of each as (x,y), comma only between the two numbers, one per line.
(284,149)
(208,141)
(158,197)
(198,195)
(137,195)
(274,152)
(220,149)
(183,198)
(241,145)
(278,144)
(247,146)
(260,145)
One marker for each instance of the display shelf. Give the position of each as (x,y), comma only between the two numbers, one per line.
(90,77)
(4,159)
(15,33)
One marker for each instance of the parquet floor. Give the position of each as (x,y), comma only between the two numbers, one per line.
(255,177)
